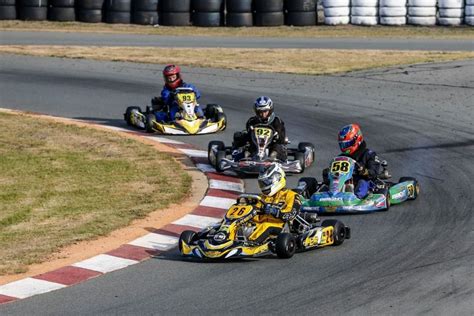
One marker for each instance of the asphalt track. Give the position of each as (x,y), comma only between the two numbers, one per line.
(414,259)
(97,39)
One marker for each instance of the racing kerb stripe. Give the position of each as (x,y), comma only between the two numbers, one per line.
(222,191)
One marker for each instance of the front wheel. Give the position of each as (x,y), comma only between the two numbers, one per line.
(150,118)
(308,185)
(221,154)
(285,245)
(128,114)
(339,232)
(213,147)
(186,236)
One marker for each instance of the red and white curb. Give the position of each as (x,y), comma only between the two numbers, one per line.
(222,192)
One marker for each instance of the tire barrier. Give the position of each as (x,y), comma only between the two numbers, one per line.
(450,12)
(32,10)
(268,13)
(175,12)
(300,12)
(208,12)
(89,11)
(336,12)
(7,10)
(469,12)
(421,12)
(61,10)
(145,12)
(239,13)
(118,11)
(365,12)
(392,12)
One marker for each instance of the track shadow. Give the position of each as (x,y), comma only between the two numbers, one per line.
(466,143)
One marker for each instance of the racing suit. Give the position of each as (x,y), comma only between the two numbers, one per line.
(369,168)
(282,207)
(167,100)
(277,148)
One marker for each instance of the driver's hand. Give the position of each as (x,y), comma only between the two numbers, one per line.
(178,116)
(272,210)
(363,171)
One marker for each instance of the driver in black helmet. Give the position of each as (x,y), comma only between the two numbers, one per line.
(263,115)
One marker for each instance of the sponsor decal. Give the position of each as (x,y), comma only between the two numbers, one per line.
(331,199)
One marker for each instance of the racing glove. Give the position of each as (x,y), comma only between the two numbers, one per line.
(363,171)
(272,210)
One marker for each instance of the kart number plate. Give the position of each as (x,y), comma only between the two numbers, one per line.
(263,132)
(235,212)
(340,166)
(186,97)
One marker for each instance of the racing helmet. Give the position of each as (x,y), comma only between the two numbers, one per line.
(172,76)
(350,138)
(272,180)
(264,109)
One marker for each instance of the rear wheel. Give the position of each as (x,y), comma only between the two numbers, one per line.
(285,245)
(211,155)
(149,123)
(416,184)
(187,236)
(220,155)
(300,156)
(302,147)
(339,232)
(311,185)
(128,114)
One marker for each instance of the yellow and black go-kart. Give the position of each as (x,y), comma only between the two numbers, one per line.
(246,231)
(188,124)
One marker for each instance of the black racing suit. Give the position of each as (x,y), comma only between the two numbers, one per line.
(277,148)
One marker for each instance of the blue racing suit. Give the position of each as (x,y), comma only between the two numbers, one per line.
(168,100)
(371,168)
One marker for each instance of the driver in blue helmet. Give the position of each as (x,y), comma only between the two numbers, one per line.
(265,115)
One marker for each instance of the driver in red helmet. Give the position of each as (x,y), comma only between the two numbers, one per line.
(173,80)
(352,144)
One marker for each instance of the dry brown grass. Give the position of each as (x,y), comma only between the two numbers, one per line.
(463,32)
(298,61)
(60,184)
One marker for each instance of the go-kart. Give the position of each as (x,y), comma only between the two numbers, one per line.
(188,124)
(224,158)
(336,194)
(244,233)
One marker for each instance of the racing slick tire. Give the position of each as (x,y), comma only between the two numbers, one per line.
(128,114)
(148,125)
(220,155)
(339,232)
(285,245)
(386,193)
(417,186)
(211,157)
(311,185)
(300,156)
(302,147)
(187,236)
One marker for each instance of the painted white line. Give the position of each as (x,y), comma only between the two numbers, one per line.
(194,153)
(156,241)
(115,128)
(164,140)
(218,202)
(204,167)
(226,185)
(29,287)
(104,263)
(196,221)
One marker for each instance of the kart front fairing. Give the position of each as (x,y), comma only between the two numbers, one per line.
(254,166)
(343,202)
(185,127)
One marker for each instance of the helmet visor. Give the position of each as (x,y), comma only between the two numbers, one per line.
(347,144)
(171,78)
(266,184)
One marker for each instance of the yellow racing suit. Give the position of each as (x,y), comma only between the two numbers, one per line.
(288,204)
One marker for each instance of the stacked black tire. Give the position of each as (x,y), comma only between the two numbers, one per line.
(7,10)
(208,12)
(145,12)
(89,11)
(61,10)
(268,13)
(239,13)
(118,11)
(175,12)
(32,10)
(301,12)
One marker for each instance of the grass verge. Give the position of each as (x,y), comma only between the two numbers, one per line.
(297,61)
(60,184)
(319,31)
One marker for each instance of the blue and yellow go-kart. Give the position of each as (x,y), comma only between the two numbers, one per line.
(188,124)
(337,196)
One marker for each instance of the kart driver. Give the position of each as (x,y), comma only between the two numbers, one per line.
(352,144)
(283,204)
(173,80)
(264,114)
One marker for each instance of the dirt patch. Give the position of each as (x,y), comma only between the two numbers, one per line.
(156,219)
(296,61)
